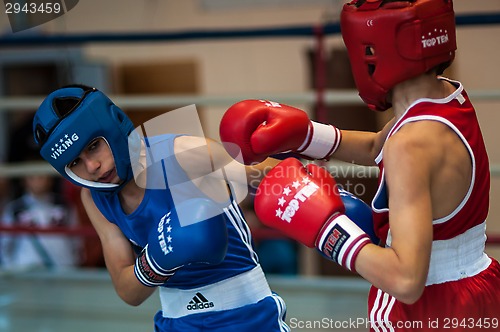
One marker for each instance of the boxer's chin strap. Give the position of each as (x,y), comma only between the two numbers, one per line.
(89,184)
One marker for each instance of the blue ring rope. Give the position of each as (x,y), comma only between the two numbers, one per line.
(282,32)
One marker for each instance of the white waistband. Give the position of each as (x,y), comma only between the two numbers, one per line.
(460,257)
(246,288)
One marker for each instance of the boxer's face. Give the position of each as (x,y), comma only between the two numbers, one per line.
(96,163)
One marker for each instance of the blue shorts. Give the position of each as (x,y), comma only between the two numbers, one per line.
(266,315)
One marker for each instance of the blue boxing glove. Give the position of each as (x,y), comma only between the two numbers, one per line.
(360,213)
(172,244)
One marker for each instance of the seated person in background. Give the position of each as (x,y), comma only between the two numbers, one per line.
(38,207)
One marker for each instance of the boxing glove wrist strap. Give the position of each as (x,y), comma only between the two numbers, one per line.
(147,274)
(321,142)
(341,240)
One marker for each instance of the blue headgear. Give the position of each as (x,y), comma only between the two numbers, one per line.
(69,119)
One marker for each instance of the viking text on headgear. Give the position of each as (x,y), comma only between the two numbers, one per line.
(64,144)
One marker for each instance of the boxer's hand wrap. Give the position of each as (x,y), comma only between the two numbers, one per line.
(341,240)
(147,274)
(321,142)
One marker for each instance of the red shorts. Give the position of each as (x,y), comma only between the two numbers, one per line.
(470,304)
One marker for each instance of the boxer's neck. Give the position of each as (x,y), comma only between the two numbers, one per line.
(424,86)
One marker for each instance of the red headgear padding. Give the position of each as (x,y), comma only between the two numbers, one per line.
(390,43)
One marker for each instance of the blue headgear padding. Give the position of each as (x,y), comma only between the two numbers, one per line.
(63,134)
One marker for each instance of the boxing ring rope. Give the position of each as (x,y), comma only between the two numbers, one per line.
(331,97)
(320,97)
(197,35)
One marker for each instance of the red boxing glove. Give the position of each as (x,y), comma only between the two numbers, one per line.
(304,203)
(260,128)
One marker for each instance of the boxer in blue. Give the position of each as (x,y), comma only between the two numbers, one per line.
(198,251)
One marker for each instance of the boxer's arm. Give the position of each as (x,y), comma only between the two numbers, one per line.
(118,255)
(204,158)
(401,270)
(362,147)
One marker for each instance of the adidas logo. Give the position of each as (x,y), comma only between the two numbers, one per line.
(199,302)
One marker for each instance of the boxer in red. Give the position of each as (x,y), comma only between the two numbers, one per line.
(430,271)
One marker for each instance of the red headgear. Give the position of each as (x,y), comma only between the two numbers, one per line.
(390,43)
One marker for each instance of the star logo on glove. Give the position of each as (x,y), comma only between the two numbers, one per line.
(301,195)
(164,224)
(270,103)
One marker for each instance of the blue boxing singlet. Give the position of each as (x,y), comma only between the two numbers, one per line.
(199,297)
